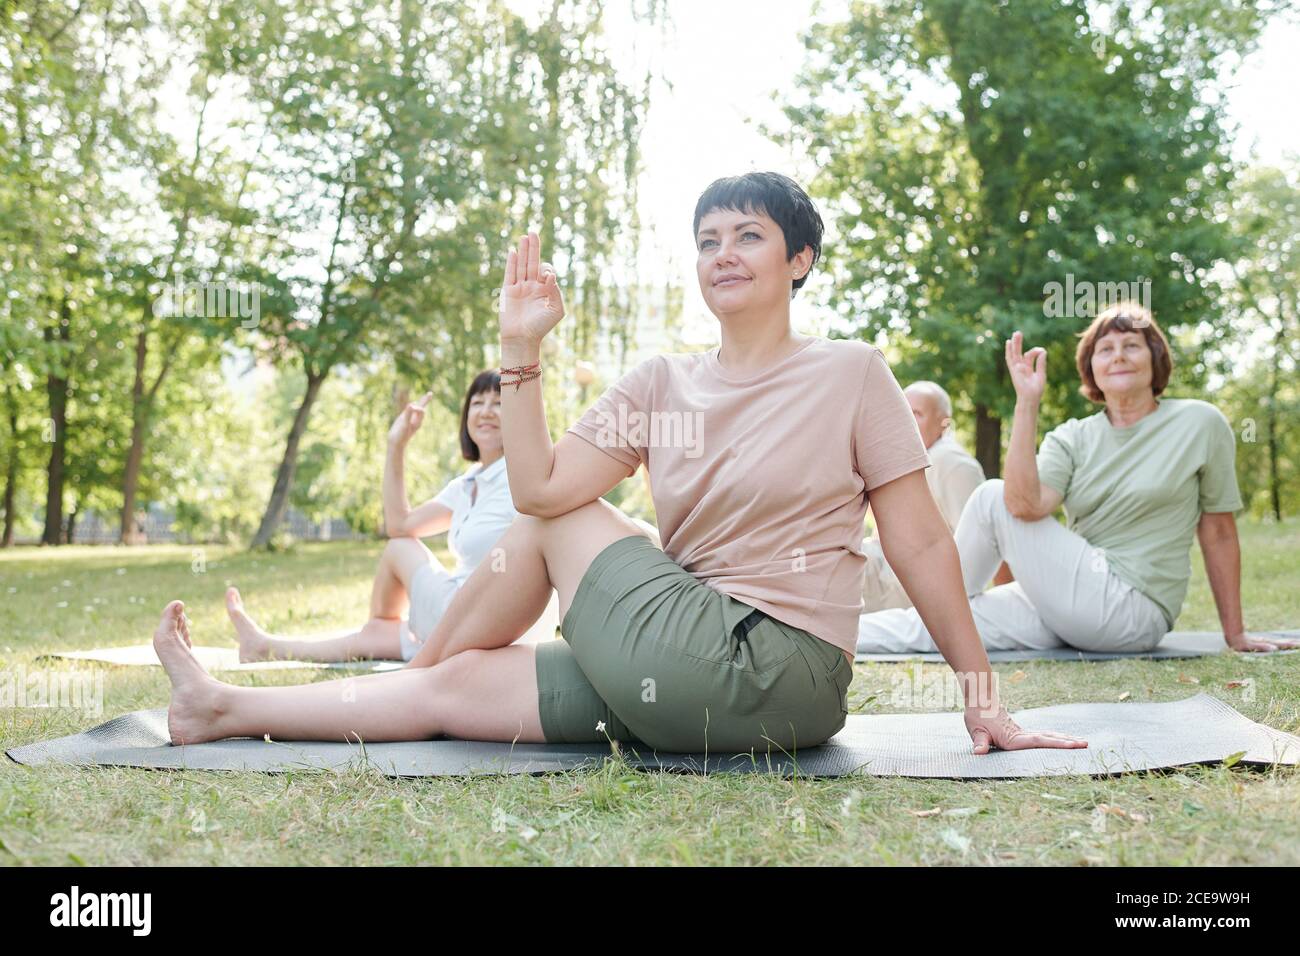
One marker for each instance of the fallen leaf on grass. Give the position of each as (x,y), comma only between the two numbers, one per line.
(1188,679)
(925,813)
(1125,696)
(1017,677)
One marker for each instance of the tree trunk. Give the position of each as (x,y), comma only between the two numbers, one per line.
(279,503)
(71,532)
(988,441)
(57,390)
(11,476)
(1274,481)
(142,402)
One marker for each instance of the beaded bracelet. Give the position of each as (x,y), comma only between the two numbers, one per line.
(523,377)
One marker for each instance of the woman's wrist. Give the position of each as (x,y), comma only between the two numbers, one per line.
(516,352)
(1027,405)
(980,691)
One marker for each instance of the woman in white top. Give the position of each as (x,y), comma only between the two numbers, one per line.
(474,508)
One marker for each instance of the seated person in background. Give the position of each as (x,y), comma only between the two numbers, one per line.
(475,509)
(953,476)
(1139,480)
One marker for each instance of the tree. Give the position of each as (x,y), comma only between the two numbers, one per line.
(191,247)
(972,154)
(1267,294)
(408,137)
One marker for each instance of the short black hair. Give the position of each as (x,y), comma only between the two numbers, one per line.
(489,381)
(779,198)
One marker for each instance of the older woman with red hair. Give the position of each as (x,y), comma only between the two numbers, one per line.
(1138,480)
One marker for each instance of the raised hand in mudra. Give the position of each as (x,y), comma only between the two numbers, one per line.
(531,304)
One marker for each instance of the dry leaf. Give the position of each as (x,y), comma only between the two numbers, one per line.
(1125,696)
(925,813)
(1017,677)
(1188,679)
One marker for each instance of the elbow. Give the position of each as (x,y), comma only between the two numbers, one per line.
(1015,507)
(1023,512)
(535,506)
(1019,508)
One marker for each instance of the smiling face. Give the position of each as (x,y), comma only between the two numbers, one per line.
(484,422)
(741,262)
(1121,364)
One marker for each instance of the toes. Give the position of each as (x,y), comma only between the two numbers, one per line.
(172,614)
(174,622)
(233,600)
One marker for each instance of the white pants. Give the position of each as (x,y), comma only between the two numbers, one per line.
(1063,595)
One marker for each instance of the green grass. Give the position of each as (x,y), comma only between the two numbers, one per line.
(52,815)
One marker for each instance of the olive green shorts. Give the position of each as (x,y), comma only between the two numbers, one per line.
(651,654)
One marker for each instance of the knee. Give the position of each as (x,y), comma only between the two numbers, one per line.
(988,497)
(449,681)
(397,547)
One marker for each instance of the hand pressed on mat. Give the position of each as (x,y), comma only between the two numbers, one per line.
(1002,732)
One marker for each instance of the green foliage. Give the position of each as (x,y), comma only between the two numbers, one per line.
(973,153)
(361,165)
(1260,360)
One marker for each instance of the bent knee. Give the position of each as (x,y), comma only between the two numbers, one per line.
(598,513)
(989,497)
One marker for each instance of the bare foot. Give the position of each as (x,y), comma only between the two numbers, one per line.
(192,714)
(254,643)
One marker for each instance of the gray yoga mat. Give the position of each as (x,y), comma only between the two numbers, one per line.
(1122,738)
(212,658)
(1175,644)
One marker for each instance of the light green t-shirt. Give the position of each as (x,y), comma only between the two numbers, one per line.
(1137,493)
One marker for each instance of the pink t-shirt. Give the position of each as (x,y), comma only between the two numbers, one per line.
(760,484)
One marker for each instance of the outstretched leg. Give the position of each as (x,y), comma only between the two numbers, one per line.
(479,695)
(377,639)
(469,684)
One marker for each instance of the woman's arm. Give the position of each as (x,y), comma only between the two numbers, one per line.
(546,479)
(1217,533)
(1025,496)
(430,518)
(921,550)
(400,521)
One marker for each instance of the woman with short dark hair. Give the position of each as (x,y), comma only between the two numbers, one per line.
(1138,480)
(739,634)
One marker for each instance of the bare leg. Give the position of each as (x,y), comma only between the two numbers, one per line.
(376,639)
(510,589)
(479,695)
(481,689)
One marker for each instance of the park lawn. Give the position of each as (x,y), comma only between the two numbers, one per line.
(84,597)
